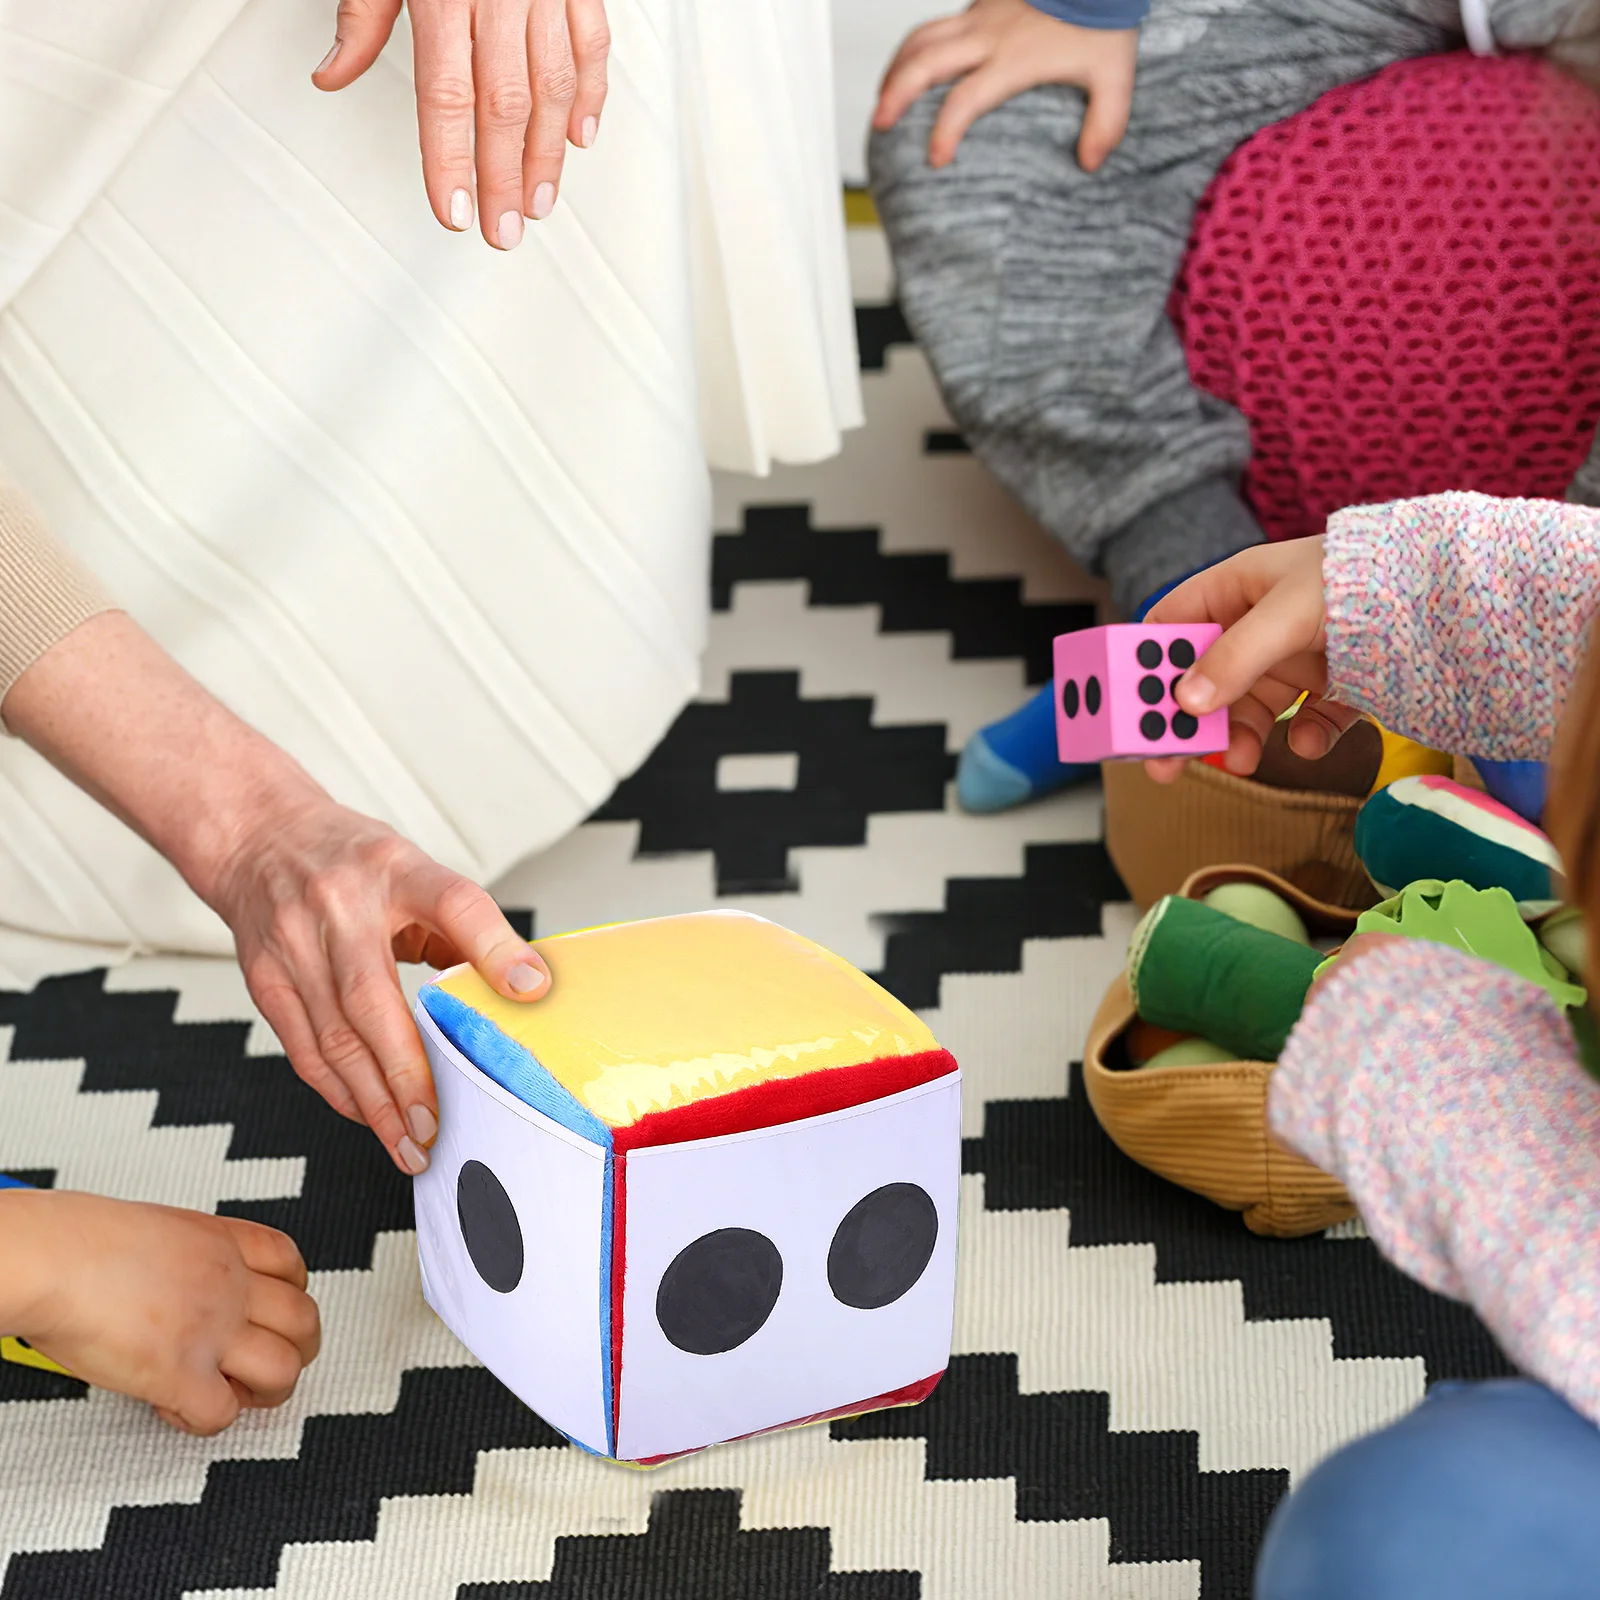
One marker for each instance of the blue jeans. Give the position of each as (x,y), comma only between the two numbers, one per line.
(1487,1491)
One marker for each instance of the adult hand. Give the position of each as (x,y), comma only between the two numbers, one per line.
(200,1316)
(502,87)
(1270,604)
(998,48)
(322,901)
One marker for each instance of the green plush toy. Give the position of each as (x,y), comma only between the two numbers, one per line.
(1195,969)
(1198,970)
(1480,922)
(1260,907)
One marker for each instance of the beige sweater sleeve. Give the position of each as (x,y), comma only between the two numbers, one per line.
(45,591)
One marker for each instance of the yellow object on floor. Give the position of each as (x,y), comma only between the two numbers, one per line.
(859,211)
(24,1355)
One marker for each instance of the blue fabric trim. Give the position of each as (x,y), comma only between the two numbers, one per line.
(513,1066)
(13,1183)
(1095,13)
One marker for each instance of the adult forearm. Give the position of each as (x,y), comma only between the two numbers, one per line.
(109,708)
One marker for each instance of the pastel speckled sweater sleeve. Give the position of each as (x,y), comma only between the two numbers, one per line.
(1459,620)
(1446,1095)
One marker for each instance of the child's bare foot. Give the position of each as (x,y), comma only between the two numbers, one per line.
(200,1316)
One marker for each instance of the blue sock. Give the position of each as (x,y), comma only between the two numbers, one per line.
(1520,785)
(1015,759)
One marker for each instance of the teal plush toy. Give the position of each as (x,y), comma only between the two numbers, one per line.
(1435,828)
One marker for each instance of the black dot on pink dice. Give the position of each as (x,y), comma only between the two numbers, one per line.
(1069,698)
(1091,697)
(1175,682)
(1180,653)
(1184,725)
(1151,690)
(1149,653)
(1152,725)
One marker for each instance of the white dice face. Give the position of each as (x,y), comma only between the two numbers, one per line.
(511,1217)
(776,1275)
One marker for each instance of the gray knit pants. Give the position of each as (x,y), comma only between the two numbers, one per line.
(1039,291)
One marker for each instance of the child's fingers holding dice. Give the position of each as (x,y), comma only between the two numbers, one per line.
(1317,727)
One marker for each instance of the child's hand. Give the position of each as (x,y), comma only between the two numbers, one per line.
(201,1316)
(1351,950)
(1269,601)
(502,86)
(998,48)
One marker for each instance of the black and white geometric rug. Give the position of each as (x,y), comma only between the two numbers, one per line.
(1137,1379)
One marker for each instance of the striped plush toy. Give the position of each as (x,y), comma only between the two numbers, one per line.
(706,1188)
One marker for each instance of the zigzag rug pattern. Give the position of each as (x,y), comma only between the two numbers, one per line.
(1137,1379)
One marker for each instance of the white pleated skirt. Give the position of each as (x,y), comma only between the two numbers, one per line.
(432,517)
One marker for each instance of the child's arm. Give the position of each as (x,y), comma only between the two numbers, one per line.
(200,1316)
(1459,619)
(1447,1097)
(998,48)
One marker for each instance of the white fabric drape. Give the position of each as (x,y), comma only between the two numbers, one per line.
(432,517)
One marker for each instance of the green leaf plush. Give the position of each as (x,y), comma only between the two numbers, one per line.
(1481,922)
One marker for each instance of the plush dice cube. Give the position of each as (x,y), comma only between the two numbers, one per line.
(706,1188)
(1114,693)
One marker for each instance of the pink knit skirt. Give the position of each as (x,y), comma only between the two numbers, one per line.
(1400,289)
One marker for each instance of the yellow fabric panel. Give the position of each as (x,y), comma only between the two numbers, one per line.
(26,1356)
(643,1016)
(1405,758)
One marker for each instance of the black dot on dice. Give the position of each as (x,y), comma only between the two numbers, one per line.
(1149,653)
(1175,682)
(883,1246)
(489,1227)
(1180,653)
(1091,697)
(1152,725)
(1184,725)
(718,1291)
(1069,697)
(1151,690)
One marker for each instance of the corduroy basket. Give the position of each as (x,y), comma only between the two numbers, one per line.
(1205,1127)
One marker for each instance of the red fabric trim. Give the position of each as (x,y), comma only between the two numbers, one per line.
(768,1105)
(913,1394)
(619,1275)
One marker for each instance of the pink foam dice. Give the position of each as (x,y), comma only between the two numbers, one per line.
(1114,692)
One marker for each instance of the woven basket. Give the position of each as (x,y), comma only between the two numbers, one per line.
(1205,1126)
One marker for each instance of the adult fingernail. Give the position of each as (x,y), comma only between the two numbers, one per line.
(460,209)
(411,1158)
(327,60)
(524,977)
(422,1123)
(544,201)
(1197,693)
(591,126)
(509,233)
